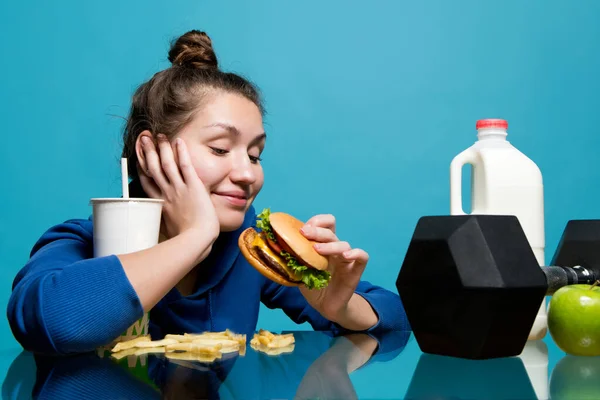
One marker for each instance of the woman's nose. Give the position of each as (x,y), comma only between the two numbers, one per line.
(243,172)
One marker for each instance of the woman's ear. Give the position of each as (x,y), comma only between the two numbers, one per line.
(143,166)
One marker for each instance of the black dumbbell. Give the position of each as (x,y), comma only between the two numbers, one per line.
(472,287)
(579,244)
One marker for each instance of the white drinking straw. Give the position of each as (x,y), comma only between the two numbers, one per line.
(124,178)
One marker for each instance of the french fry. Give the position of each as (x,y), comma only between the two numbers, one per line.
(180,338)
(266,333)
(278,342)
(124,353)
(274,351)
(130,343)
(192,357)
(241,339)
(195,348)
(156,343)
(205,346)
(269,342)
(147,350)
(227,345)
(208,333)
(264,340)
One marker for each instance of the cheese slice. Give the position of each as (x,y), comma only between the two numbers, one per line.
(259,242)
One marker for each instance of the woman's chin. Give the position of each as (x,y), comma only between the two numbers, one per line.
(231,221)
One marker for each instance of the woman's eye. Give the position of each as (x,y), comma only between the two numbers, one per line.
(255,160)
(218,151)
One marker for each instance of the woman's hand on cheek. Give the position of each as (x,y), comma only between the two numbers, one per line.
(345,264)
(170,176)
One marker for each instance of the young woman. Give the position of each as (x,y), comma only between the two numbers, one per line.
(194,139)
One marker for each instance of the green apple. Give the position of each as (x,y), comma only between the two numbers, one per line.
(576,378)
(574,319)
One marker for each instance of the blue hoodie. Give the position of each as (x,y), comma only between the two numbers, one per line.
(65,301)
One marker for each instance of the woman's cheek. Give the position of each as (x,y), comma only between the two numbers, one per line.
(210,172)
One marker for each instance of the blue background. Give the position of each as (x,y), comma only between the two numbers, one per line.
(368,103)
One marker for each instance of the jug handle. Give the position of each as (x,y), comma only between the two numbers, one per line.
(468,156)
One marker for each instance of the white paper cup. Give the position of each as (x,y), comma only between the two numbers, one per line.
(124,226)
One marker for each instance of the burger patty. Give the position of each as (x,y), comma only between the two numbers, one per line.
(276,263)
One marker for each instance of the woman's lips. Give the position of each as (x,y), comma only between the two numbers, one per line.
(237,199)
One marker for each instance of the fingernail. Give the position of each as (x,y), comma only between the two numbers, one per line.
(317,246)
(145,140)
(347,254)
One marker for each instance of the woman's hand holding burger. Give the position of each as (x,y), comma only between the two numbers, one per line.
(310,256)
(338,301)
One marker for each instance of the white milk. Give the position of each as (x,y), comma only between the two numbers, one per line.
(504,182)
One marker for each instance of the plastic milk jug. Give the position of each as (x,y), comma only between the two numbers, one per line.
(504,181)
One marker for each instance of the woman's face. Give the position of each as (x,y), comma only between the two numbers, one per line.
(225,140)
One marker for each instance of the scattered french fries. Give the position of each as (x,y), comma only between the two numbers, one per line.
(206,346)
(272,344)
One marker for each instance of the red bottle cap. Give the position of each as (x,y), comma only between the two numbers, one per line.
(492,123)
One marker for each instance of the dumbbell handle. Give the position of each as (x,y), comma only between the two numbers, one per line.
(557,277)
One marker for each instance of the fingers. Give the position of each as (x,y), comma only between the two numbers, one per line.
(167,161)
(318,234)
(358,255)
(332,248)
(153,167)
(150,187)
(323,221)
(185,162)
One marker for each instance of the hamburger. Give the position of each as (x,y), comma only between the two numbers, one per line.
(281,253)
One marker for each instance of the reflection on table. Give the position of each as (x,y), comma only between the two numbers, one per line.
(319,366)
(522,377)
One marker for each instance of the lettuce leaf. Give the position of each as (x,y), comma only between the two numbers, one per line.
(264,224)
(312,278)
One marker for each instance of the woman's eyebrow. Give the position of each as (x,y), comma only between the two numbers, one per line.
(259,138)
(228,127)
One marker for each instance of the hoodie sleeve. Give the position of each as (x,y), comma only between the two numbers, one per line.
(66,301)
(387,306)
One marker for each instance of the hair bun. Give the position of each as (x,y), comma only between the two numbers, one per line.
(193,49)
